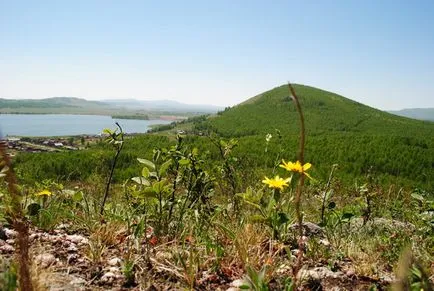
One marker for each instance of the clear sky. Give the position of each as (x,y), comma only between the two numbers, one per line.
(378,52)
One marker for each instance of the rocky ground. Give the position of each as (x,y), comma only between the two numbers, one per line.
(63,261)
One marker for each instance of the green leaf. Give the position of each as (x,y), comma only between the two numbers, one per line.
(282,218)
(158,187)
(145,172)
(77,196)
(164,167)
(147,163)
(141,181)
(184,162)
(107,131)
(417,197)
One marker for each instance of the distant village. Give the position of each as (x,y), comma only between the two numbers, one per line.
(53,144)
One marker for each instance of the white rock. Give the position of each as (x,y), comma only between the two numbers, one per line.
(10,241)
(77,239)
(77,281)
(6,249)
(72,249)
(108,277)
(114,270)
(45,260)
(10,233)
(237,283)
(115,262)
(33,236)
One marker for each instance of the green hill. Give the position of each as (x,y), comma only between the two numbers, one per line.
(325,112)
(361,139)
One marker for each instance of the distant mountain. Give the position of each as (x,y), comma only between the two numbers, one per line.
(74,105)
(163,105)
(416,113)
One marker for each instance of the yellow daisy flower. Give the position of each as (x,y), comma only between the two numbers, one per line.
(44,193)
(296,167)
(276,182)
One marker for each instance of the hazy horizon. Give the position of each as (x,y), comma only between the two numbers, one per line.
(380,54)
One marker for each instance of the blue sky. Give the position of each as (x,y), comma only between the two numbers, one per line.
(380,53)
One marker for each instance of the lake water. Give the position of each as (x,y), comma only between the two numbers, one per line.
(65,124)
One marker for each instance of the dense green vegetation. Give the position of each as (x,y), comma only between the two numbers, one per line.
(198,211)
(361,140)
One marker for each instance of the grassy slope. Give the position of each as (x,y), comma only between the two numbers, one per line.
(325,112)
(359,138)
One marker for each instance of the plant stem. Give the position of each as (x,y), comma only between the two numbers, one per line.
(19,223)
(300,184)
(107,188)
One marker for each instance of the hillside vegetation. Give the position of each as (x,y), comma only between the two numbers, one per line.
(340,131)
(228,204)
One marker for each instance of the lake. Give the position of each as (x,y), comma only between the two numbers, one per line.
(66,124)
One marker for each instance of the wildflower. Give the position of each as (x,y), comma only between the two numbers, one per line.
(44,193)
(276,182)
(296,167)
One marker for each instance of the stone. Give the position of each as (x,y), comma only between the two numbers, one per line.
(77,281)
(237,283)
(115,262)
(6,249)
(318,273)
(72,249)
(10,241)
(10,233)
(45,260)
(77,239)
(309,229)
(108,278)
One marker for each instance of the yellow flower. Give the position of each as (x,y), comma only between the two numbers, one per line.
(276,182)
(44,193)
(296,167)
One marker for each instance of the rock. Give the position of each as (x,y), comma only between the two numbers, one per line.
(72,249)
(115,262)
(77,281)
(10,233)
(6,249)
(10,241)
(108,278)
(33,236)
(77,239)
(318,273)
(309,229)
(237,283)
(45,260)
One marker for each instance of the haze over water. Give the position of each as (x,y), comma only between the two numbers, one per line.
(65,124)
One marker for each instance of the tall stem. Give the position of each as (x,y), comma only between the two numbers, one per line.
(107,188)
(19,223)
(300,184)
